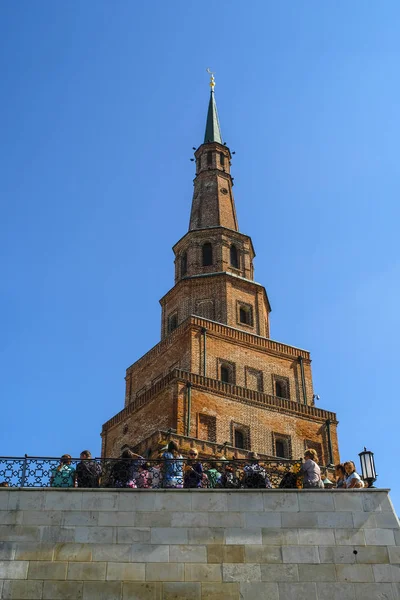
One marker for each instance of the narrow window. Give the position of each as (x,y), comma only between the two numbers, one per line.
(198,163)
(222,159)
(280,449)
(209,158)
(282,388)
(234,257)
(207,254)
(172,322)
(183,264)
(225,374)
(245,315)
(239,439)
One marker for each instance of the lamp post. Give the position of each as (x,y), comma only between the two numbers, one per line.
(368,466)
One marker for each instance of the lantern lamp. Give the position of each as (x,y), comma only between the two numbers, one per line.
(368,466)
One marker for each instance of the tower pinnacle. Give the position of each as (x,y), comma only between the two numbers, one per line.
(213,130)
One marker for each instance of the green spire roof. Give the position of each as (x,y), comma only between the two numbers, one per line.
(213,130)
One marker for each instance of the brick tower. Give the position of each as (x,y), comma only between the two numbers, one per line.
(216,377)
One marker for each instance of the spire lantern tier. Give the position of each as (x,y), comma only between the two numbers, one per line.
(213,203)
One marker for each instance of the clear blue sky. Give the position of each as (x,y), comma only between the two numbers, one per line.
(101,104)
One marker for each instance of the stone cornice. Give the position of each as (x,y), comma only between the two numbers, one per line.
(233,392)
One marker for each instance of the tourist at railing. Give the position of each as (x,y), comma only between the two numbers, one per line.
(254,476)
(170,470)
(229,477)
(88,471)
(4,484)
(172,466)
(214,475)
(64,475)
(193,477)
(125,471)
(144,478)
(353,480)
(340,476)
(311,470)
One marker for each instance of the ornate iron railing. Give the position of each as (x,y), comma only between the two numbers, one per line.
(178,472)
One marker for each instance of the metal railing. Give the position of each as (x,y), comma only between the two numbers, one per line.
(140,473)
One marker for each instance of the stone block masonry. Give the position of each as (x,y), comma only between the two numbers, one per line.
(198,544)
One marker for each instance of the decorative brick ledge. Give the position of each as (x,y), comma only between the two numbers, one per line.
(261,343)
(233,392)
(249,338)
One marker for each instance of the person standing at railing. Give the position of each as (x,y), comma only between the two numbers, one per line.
(144,478)
(254,475)
(64,475)
(311,470)
(214,476)
(173,466)
(193,470)
(88,471)
(353,480)
(340,476)
(125,469)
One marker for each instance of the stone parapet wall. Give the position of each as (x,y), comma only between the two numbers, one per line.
(194,544)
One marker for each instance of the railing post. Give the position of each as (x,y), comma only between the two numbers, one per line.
(24,466)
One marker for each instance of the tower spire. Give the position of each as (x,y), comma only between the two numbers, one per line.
(213,130)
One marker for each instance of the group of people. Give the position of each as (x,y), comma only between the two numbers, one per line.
(172,470)
(347,476)
(86,474)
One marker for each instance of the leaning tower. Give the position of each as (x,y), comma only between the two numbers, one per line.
(216,377)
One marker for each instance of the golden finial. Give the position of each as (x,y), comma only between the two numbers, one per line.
(212,80)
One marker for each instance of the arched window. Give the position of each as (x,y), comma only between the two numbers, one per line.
(234,257)
(183,264)
(239,439)
(207,254)
(222,158)
(209,158)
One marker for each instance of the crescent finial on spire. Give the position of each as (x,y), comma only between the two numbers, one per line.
(212,80)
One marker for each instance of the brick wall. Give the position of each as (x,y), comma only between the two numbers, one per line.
(157,413)
(262,424)
(267,418)
(227,293)
(184,349)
